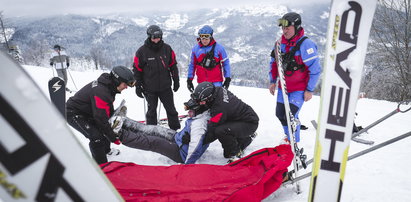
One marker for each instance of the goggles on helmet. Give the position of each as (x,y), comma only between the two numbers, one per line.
(284,23)
(205,36)
(156,35)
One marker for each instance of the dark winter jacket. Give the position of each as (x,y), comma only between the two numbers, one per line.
(95,101)
(226,107)
(154,66)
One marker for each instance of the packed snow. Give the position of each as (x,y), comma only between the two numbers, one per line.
(378,176)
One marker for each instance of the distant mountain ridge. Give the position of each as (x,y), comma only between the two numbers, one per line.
(247,33)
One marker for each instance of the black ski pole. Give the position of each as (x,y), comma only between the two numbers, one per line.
(72,79)
(356,155)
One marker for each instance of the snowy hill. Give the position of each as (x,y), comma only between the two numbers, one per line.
(377,176)
(247,33)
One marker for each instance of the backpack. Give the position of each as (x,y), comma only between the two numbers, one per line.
(208,61)
(289,63)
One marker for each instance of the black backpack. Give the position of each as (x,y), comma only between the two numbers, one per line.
(289,63)
(208,61)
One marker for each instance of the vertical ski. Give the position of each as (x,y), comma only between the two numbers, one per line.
(57,91)
(291,122)
(348,31)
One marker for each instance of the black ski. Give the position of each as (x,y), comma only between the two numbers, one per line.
(57,90)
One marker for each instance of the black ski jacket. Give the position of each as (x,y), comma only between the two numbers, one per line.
(154,66)
(95,101)
(226,107)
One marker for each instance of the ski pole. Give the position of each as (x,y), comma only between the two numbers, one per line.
(145,108)
(72,79)
(159,110)
(381,119)
(355,155)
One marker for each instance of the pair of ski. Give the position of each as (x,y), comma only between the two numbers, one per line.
(299,157)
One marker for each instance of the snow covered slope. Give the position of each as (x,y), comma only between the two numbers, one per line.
(379,176)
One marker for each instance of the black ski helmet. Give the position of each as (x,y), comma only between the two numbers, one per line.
(203,92)
(57,47)
(122,74)
(289,19)
(154,31)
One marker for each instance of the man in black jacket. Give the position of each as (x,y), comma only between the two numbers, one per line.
(232,121)
(155,66)
(89,110)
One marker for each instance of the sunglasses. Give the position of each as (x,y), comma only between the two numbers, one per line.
(284,22)
(205,36)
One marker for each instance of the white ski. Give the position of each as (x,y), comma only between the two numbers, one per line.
(348,31)
(291,123)
(40,158)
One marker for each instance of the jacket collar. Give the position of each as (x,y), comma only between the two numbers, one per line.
(210,44)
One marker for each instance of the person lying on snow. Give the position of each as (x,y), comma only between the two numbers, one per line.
(185,146)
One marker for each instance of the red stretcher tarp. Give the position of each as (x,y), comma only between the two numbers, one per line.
(251,178)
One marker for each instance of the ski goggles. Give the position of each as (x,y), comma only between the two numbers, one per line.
(205,36)
(157,35)
(283,22)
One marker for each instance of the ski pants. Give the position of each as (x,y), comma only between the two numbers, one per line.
(235,136)
(150,138)
(296,100)
(62,73)
(99,145)
(166,97)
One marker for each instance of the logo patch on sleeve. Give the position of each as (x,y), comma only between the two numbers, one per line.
(310,51)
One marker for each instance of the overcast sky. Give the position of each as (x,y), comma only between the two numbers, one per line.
(13,8)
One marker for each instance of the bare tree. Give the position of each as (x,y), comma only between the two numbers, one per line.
(389,77)
(3,30)
(38,53)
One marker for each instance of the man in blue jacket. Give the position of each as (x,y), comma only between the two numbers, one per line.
(301,69)
(209,61)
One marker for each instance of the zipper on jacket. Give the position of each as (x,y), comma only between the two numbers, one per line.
(162,61)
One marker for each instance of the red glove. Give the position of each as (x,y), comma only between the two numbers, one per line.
(117,142)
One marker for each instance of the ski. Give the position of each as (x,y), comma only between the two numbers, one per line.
(57,91)
(299,158)
(41,159)
(347,37)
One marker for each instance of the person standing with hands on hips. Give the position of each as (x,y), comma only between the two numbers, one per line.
(301,66)
(155,66)
(209,61)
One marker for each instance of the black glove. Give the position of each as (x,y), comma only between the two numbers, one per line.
(190,85)
(227,82)
(176,86)
(139,91)
(68,65)
(186,138)
(51,63)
